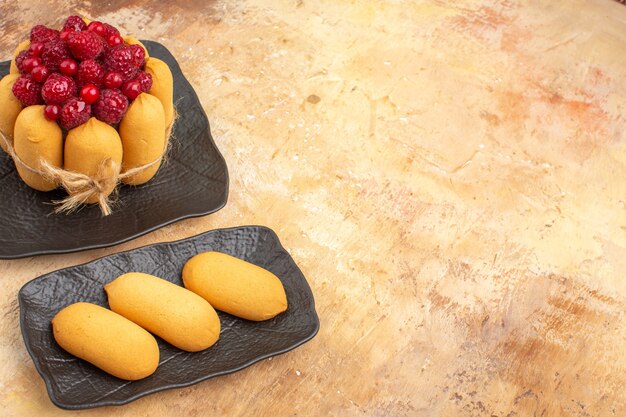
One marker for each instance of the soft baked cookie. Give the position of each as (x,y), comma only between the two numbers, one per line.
(173,313)
(235,286)
(36,138)
(143,137)
(107,340)
(11,108)
(88,146)
(162,86)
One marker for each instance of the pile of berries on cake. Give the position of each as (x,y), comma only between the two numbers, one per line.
(81,71)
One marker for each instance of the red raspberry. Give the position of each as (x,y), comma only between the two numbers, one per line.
(139,54)
(40,33)
(27,91)
(53,53)
(120,59)
(20,58)
(106,49)
(145,80)
(58,89)
(90,72)
(74,113)
(85,45)
(111,106)
(110,30)
(75,23)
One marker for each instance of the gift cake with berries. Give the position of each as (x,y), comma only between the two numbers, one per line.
(85,108)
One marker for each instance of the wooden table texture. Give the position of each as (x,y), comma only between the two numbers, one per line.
(450,175)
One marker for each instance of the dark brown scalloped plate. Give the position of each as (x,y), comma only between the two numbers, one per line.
(75,384)
(193,182)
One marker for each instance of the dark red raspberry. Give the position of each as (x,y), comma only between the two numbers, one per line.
(145,80)
(58,89)
(110,30)
(90,72)
(74,113)
(85,45)
(75,23)
(20,58)
(53,53)
(40,33)
(121,60)
(27,91)
(110,107)
(139,54)
(106,49)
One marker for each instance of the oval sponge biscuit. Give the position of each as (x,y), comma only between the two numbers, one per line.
(107,340)
(235,286)
(11,108)
(162,86)
(177,315)
(36,138)
(90,145)
(143,137)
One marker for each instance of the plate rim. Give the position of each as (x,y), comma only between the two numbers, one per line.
(29,254)
(48,382)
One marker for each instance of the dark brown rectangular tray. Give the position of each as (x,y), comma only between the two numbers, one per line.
(75,384)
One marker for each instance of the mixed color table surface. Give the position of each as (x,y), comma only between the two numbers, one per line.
(449,175)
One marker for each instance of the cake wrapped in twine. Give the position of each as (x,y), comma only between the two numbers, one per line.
(81,187)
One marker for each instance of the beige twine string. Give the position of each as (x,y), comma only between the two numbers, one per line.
(80,187)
